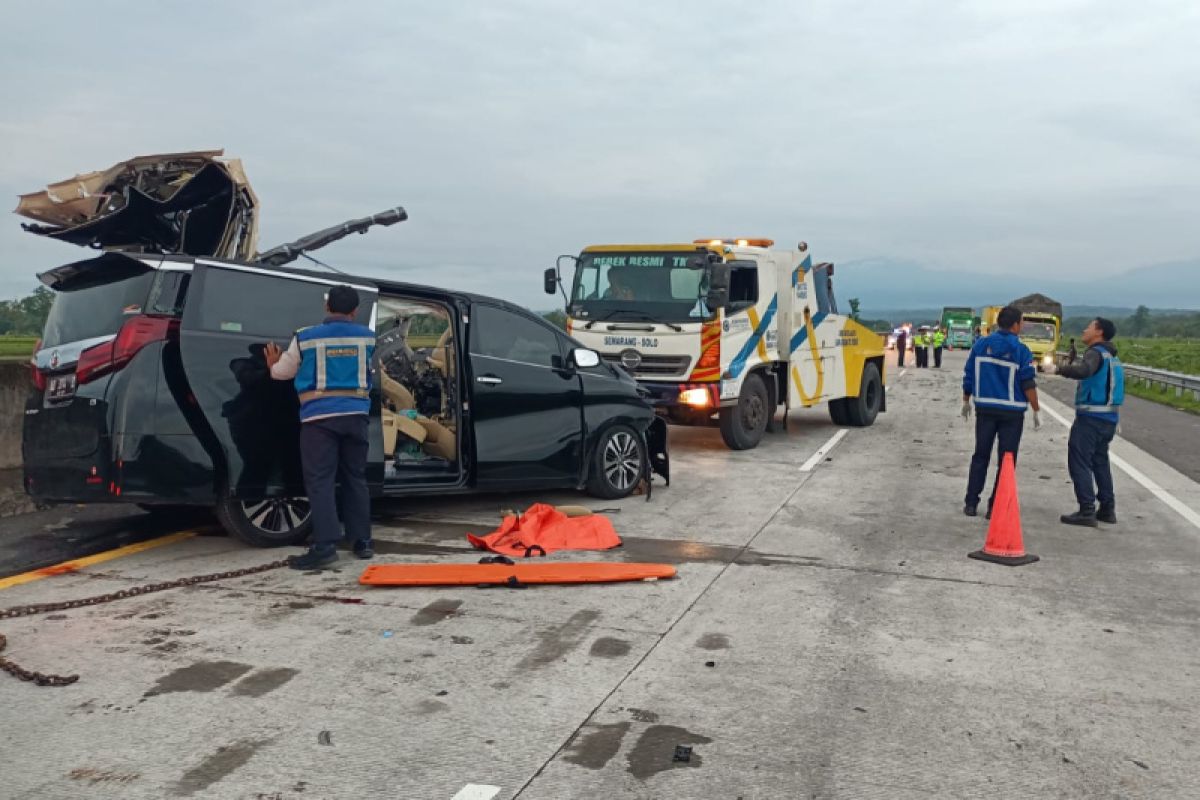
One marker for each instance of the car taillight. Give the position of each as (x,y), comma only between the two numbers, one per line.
(136,333)
(39,380)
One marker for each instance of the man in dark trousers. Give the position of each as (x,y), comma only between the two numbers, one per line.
(331,366)
(1098,400)
(901,346)
(1000,375)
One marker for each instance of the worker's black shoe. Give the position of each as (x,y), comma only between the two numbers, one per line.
(1084,517)
(315,558)
(971,509)
(988,515)
(363,548)
(1108,515)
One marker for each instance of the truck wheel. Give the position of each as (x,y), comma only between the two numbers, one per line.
(862,410)
(272,522)
(743,425)
(618,464)
(838,411)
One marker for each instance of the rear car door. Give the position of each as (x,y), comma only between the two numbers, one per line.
(231,312)
(526,406)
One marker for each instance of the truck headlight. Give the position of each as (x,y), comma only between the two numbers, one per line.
(697,398)
(1048,359)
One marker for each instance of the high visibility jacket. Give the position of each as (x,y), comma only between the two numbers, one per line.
(1102,394)
(335,369)
(939,339)
(998,370)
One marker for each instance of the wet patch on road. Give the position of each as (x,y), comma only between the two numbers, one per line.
(642,715)
(203,676)
(102,776)
(426,707)
(655,749)
(265,681)
(420,549)
(437,611)
(218,765)
(559,640)
(608,647)
(713,641)
(593,746)
(679,551)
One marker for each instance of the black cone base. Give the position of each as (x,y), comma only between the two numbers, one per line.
(1008,561)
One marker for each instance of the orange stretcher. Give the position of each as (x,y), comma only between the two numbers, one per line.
(510,574)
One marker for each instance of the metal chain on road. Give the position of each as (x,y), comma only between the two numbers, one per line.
(43,679)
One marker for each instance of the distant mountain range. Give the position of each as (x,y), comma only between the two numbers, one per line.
(889,287)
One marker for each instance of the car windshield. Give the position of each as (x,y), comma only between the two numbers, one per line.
(96,303)
(1041,331)
(657,286)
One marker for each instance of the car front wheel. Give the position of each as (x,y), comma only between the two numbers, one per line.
(269,522)
(618,464)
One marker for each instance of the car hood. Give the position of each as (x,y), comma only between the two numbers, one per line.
(197,203)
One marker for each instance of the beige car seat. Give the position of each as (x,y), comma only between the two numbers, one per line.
(439,440)
(442,354)
(396,392)
(395,424)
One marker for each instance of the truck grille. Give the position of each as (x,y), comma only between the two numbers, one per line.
(653,366)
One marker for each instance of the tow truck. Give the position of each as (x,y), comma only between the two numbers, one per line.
(724,331)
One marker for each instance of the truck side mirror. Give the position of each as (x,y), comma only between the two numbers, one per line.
(718,286)
(550,280)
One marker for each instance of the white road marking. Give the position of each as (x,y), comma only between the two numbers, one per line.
(810,465)
(1169,499)
(476,791)
(902,373)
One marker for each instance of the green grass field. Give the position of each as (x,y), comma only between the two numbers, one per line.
(16,348)
(1177,355)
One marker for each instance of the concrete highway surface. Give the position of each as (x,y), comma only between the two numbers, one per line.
(826,637)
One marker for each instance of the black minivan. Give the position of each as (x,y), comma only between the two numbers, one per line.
(151,388)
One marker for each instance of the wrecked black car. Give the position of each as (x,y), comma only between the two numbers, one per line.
(151,387)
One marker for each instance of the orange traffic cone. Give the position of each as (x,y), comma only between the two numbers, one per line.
(1004,545)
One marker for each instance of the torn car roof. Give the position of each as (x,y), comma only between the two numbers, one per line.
(197,203)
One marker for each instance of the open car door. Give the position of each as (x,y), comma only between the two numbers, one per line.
(252,420)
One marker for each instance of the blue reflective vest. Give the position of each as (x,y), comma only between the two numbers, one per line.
(335,369)
(1102,394)
(999,363)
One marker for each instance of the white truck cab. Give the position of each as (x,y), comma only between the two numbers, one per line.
(724,331)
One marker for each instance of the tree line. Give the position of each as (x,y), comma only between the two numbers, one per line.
(1144,324)
(26,316)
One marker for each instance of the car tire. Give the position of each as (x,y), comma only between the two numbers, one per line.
(272,522)
(862,410)
(839,411)
(618,464)
(743,425)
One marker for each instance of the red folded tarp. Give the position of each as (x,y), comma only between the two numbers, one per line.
(543,529)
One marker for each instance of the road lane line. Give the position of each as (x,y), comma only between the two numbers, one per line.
(811,464)
(77,564)
(476,791)
(1147,483)
(903,372)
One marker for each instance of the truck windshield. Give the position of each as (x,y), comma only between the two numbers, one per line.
(1040,331)
(660,286)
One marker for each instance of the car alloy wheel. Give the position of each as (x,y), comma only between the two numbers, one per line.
(276,515)
(622,461)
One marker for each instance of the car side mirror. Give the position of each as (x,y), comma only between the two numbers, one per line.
(583,358)
(550,280)
(718,286)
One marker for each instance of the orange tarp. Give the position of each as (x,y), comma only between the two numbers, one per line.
(545,527)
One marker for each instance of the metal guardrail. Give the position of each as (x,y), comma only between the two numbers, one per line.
(1149,376)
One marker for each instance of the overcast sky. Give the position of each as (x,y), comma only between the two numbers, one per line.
(1025,135)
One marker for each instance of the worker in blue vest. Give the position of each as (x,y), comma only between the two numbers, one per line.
(331,366)
(1098,400)
(1000,376)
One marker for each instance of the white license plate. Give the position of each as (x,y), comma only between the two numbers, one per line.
(60,387)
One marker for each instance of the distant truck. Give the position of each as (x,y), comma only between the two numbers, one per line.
(1041,327)
(988,317)
(957,322)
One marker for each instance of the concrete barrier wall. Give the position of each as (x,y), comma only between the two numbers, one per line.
(14,387)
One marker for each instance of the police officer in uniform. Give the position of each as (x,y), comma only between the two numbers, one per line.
(1098,400)
(939,340)
(331,366)
(901,346)
(999,375)
(919,351)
